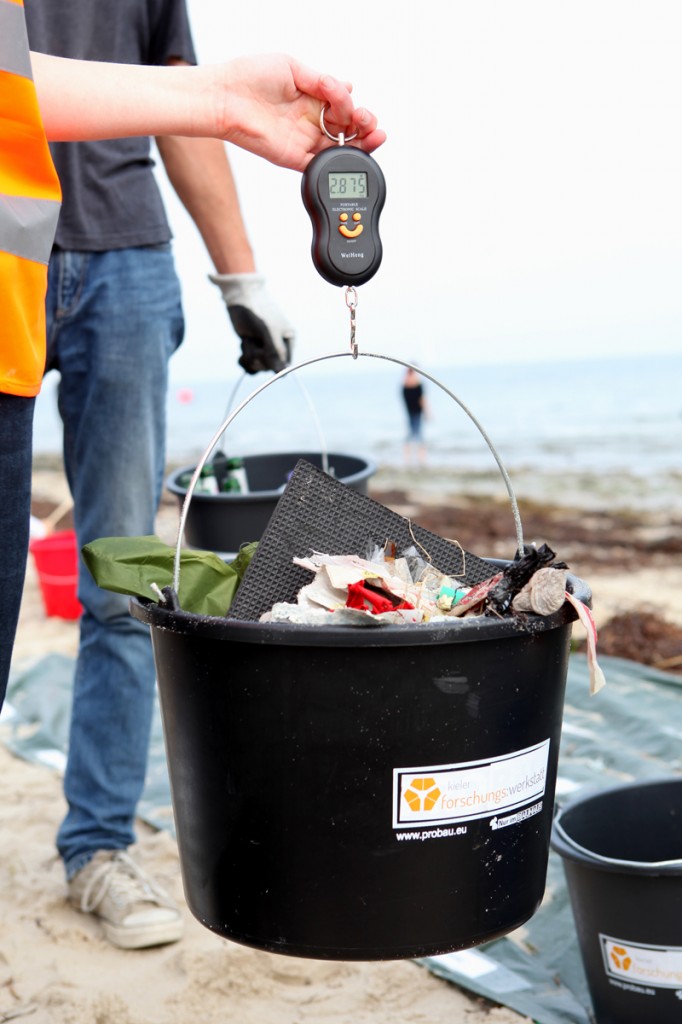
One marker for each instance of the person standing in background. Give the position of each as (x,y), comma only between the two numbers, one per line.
(416,409)
(114,318)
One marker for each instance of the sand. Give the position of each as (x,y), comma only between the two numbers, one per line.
(55,968)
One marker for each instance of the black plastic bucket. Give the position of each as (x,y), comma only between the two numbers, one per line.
(223,522)
(622,856)
(362,794)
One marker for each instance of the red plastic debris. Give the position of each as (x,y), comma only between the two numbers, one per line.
(361,596)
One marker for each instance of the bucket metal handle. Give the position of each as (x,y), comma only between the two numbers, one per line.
(311,408)
(614,861)
(309,362)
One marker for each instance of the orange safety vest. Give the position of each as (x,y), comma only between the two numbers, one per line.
(29,208)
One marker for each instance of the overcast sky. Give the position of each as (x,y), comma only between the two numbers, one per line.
(533,170)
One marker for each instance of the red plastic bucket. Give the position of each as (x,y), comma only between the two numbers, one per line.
(56,560)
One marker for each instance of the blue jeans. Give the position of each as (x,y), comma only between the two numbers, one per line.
(113,321)
(414,431)
(16,433)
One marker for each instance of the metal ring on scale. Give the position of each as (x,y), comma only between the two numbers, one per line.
(340,138)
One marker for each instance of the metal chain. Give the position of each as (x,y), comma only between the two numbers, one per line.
(352,302)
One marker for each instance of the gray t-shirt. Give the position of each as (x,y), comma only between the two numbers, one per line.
(111,199)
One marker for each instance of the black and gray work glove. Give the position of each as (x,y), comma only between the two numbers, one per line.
(266,336)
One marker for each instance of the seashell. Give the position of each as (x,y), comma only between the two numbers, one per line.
(544,593)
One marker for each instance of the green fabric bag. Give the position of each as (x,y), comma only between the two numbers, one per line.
(129,565)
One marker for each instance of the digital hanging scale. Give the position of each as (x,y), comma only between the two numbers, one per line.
(344,191)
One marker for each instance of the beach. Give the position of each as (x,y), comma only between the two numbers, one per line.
(54,966)
(56,969)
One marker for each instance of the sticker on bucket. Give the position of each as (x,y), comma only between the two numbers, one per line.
(451,793)
(638,965)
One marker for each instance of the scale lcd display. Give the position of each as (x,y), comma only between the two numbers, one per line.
(348,185)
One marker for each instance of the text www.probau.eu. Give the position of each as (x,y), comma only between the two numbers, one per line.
(433,833)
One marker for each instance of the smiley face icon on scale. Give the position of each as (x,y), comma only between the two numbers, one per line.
(350,232)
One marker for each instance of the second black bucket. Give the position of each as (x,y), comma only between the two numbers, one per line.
(223,522)
(362,794)
(622,855)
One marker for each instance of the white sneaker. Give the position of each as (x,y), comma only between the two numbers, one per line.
(134,910)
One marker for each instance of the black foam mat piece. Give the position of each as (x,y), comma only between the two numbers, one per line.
(318,513)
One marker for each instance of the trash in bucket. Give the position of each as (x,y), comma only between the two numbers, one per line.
(222,521)
(317,513)
(622,856)
(360,794)
(56,561)
(395,589)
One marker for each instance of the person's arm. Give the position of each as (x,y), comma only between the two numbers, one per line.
(269,105)
(200,172)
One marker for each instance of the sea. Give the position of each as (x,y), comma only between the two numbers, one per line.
(608,426)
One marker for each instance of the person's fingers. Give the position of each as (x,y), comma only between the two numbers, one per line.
(339,115)
(325,88)
(371,142)
(365,124)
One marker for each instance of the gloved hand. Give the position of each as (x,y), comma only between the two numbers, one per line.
(265,334)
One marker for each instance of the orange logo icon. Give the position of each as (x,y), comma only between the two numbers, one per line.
(422,794)
(620,957)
